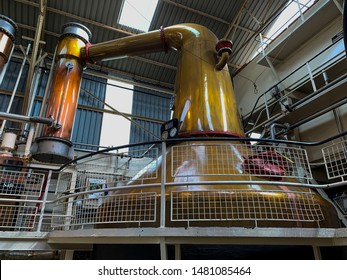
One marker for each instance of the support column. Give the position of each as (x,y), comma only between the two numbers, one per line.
(163,249)
(317,253)
(32,65)
(178,252)
(66,254)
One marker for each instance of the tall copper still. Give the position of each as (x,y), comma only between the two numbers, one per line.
(54,144)
(8,30)
(205,106)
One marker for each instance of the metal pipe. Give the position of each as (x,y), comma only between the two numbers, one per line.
(273,129)
(162,186)
(15,87)
(222,61)
(29,140)
(4,69)
(26,119)
(46,93)
(8,30)
(36,44)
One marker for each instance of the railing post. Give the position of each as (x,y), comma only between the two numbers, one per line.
(163,182)
(44,199)
(266,107)
(311,76)
(70,201)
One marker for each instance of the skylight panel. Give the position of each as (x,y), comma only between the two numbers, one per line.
(138,14)
(286,18)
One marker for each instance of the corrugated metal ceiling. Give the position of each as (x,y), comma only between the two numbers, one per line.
(102,16)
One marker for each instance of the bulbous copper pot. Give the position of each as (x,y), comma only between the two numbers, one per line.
(258,204)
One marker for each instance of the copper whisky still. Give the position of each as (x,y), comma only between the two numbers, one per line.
(205,106)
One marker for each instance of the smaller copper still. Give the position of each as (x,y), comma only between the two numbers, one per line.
(8,30)
(54,145)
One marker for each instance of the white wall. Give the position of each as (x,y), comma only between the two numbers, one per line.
(323,126)
(264,78)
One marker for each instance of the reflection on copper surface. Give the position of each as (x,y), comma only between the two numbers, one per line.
(6,45)
(65,87)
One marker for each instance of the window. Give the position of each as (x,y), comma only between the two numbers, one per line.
(287,17)
(138,14)
(115,130)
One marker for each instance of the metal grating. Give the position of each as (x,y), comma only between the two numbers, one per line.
(21,184)
(118,167)
(341,202)
(17,217)
(239,159)
(102,207)
(335,159)
(244,205)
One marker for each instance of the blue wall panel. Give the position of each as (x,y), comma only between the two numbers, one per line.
(151,104)
(87,125)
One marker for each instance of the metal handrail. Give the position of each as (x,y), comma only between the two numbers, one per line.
(281,81)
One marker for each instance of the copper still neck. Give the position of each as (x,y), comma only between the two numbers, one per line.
(205,101)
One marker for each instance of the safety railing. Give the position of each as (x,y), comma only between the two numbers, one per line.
(119,189)
(253,162)
(245,205)
(147,198)
(274,102)
(21,199)
(335,160)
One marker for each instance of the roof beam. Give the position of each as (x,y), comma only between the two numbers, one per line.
(208,15)
(56,11)
(93,23)
(195,11)
(233,24)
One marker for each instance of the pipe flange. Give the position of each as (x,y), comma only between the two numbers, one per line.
(77,30)
(8,26)
(224,46)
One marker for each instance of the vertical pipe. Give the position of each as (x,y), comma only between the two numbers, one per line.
(163,182)
(54,145)
(15,87)
(33,90)
(36,44)
(45,95)
(4,69)
(29,139)
(300,10)
(7,35)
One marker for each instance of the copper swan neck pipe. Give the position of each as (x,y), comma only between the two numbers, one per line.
(205,102)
